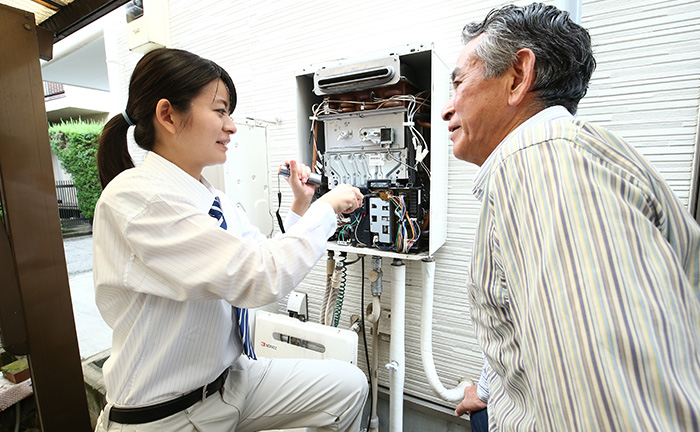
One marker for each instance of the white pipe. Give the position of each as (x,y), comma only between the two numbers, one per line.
(330,266)
(374,419)
(571,6)
(374,312)
(397,354)
(426,339)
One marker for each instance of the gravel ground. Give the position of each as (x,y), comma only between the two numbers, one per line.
(78,252)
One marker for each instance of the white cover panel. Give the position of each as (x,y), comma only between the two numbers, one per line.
(330,342)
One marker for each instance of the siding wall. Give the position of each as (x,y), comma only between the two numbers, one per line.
(646,85)
(646,88)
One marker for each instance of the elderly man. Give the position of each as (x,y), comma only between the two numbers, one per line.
(585,276)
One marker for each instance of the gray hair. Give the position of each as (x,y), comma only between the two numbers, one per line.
(564,59)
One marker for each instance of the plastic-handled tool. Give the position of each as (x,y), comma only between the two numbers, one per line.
(314,178)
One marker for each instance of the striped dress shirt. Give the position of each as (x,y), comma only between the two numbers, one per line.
(166,276)
(584,285)
(482,387)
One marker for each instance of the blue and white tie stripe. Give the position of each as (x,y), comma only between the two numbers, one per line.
(246,337)
(216,213)
(242,313)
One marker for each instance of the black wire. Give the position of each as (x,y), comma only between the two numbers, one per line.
(279,205)
(364,338)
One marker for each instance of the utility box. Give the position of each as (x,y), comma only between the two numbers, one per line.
(280,336)
(147,25)
(244,177)
(375,123)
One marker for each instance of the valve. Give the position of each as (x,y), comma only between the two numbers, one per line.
(392,365)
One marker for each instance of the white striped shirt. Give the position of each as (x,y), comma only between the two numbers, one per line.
(585,285)
(166,276)
(482,387)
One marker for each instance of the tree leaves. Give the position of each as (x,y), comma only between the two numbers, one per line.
(75,144)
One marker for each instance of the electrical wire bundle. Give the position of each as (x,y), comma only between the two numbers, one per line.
(414,105)
(347,228)
(414,102)
(407,230)
(419,144)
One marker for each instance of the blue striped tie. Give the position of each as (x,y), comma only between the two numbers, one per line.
(241,313)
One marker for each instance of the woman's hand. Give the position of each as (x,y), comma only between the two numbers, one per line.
(343,198)
(303,192)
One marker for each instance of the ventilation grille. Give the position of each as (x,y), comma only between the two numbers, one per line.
(358,76)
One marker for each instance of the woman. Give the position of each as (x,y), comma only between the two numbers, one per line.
(172,255)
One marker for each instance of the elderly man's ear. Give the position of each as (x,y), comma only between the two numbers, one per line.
(522,76)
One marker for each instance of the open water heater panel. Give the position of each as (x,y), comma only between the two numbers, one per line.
(375,123)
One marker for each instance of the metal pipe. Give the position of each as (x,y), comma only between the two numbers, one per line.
(375,276)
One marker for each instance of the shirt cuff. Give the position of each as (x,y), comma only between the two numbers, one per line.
(320,214)
(482,392)
(482,389)
(291,219)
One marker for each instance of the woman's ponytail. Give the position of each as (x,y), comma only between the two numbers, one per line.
(113,153)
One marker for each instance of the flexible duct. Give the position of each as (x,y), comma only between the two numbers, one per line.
(336,279)
(330,266)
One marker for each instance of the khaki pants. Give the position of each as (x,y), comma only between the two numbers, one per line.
(271,394)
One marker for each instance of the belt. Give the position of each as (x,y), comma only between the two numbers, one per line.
(165,409)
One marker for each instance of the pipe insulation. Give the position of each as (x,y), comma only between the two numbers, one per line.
(336,278)
(374,419)
(426,338)
(374,312)
(397,353)
(330,267)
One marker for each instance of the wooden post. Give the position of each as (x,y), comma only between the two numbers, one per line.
(32,223)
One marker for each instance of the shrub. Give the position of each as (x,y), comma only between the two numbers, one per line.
(75,144)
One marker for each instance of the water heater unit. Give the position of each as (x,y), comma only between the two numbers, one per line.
(375,124)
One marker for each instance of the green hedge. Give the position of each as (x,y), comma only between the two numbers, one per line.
(75,144)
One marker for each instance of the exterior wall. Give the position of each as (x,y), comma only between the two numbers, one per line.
(646,88)
(78,102)
(646,85)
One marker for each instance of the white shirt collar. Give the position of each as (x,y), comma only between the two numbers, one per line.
(201,192)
